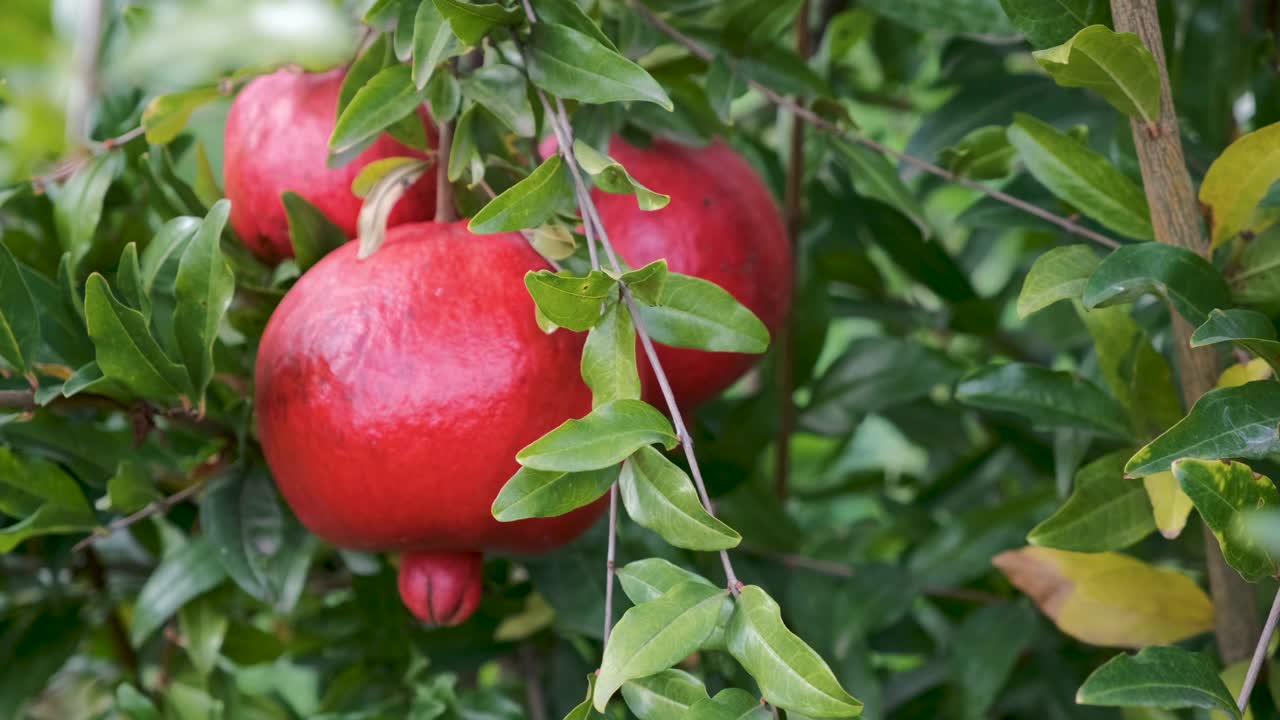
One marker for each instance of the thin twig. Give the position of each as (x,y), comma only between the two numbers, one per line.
(611,561)
(533,694)
(199,477)
(826,125)
(837,569)
(1259,654)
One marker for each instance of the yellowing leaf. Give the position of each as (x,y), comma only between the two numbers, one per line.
(1238,180)
(1169,504)
(1109,599)
(1233,677)
(1241,373)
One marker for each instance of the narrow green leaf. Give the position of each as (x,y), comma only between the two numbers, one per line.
(166,116)
(203,623)
(433,42)
(1081,177)
(568,301)
(649,579)
(653,636)
(444,97)
(126,351)
(502,90)
(1106,511)
(576,66)
(529,203)
(609,358)
(186,573)
(1135,372)
(1224,492)
(1049,398)
(383,100)
(1193,286)
(1232,422)
(570,14)
(19,316)
(375,57)
(129,280)
(205,184)
(985,651)
(203,287)
(465,158)
(667,695)
(1046,23)
(693,313)
(790,674)
(646,283)
(131,488)
(1238,180)
(583,710)
(1115,65)
(659,495)
(607,436)
(609,175)
(723,86)
(978,17)
(550,493)
(873,176)
(983,154)
(472,21)
(1058,274)
(77,205)
(160,257)
(312,234)
(1169,678)
(731,704)
(134,704)
(1249,329)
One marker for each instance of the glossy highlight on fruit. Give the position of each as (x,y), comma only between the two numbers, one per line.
(442,589)
(277,139)
(394,392)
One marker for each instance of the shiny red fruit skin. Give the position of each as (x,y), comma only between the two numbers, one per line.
(442,589)
(722,225)
(277,139)
(394,392)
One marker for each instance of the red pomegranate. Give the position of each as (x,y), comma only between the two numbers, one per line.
(394,392)
(722,225)
(277,139)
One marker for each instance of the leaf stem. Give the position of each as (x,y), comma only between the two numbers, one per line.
(1259,654)
(445,212)
(610,565)
(826,125)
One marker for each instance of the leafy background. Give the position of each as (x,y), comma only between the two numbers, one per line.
(957,537)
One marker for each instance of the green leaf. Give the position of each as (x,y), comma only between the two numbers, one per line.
(1106,511)
(568,301)
(1249,329)
(529,203)
(186,573)
(983,154)
(651,578)
(1158,677)
(44,498)
(1231,422)
(1224,492)
(1115,65)
(444,97)
(658,495)
(382,101)
(607,436)
(1081,177)
(653,636)
(731,704)
(790,674)
(583,710)
(88,378)
(256,537)
(135,705)
(1135,372)
(465,158)
(166,116)
(979,17)
(723,86)
(160,257)
(472,21)
(1049,398)
(126,351)
(375,57)
(77,205)
(205,184)
(609,358)
(312,234)
(693,313)
(647,282)
(1186,280)
(609,175)
(203,623)
(131,488)
(203,288)
(664,696)
(576,66)
(1238,181)
(1046,23)
(501,90)
(19,316)
(433,42)
(129,280)
(874,177)
(550,493)
(1058,274)
(569,14)
(984,652)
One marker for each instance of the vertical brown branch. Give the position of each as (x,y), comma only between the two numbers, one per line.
(1176,220)
(793,210)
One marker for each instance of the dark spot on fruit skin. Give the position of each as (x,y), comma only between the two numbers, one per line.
(706,202)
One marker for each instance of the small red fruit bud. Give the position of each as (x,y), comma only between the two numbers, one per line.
(441,588)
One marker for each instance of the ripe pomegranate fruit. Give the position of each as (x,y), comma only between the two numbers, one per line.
(394,392)
(277,139)
(722,225)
